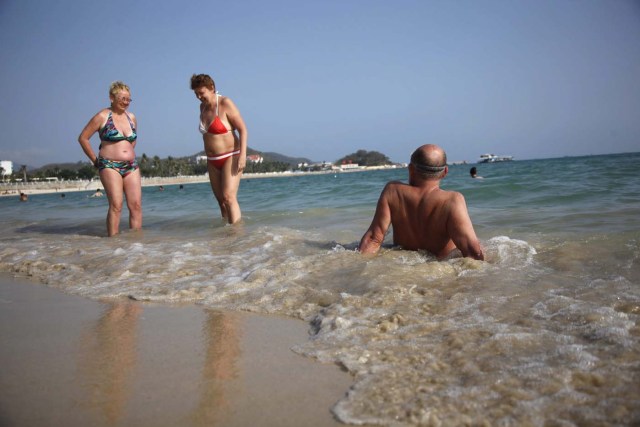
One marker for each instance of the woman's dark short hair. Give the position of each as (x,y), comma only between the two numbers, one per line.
(199,80)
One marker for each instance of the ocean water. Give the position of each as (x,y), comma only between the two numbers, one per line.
(545,332)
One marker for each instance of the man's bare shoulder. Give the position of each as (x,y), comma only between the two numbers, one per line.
(456,196)
(455,202)
(396,183)
(394,187)
(451,195)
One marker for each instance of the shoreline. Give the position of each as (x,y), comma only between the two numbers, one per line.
(68,360)
(32,188)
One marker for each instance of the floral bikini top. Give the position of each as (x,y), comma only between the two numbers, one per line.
(109,132)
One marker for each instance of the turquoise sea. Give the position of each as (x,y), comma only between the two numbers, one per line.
(545,332)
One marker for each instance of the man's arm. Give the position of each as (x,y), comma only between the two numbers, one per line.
(373,238)
(461,230)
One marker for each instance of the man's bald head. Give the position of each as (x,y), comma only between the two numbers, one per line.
(429,161)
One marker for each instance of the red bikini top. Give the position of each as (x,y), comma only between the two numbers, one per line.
(216,127)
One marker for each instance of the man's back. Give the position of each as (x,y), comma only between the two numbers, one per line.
(423,216)
(419,217)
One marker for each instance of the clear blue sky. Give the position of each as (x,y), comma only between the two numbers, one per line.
(322,79)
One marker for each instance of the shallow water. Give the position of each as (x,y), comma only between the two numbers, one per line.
(545,332)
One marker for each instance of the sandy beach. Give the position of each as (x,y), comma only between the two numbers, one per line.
(70,361)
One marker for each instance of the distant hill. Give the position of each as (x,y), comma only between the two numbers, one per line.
(366,158)
(52,166)
(268,156)
(272,157)
(277,157)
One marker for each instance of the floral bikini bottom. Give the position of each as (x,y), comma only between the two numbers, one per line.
(123,167)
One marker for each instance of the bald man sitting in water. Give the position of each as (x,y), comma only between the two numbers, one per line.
(423,215)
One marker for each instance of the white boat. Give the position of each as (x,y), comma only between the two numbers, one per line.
(492,158)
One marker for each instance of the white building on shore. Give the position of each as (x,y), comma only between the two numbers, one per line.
(7,167)
(255,158)
(349,166)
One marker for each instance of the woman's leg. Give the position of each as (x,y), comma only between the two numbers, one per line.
(112,183)
(230,184)
(133,193)
(216,187)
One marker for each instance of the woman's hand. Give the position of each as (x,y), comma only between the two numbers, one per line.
(242,163)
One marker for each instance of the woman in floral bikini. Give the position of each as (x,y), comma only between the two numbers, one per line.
(116,159)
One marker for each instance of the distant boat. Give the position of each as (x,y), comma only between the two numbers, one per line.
(492,158)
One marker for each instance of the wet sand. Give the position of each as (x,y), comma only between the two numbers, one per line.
(70,361)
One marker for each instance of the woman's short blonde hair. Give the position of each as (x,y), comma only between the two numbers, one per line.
(117,86)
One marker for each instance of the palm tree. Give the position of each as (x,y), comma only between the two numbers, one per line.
(23,171)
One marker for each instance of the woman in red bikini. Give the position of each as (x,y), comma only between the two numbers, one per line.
(225,143)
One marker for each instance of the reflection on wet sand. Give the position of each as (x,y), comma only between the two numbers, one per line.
(110,350)
(221,334)
(108,354)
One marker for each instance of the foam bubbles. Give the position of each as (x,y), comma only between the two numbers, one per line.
(511,253)
(504,341)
